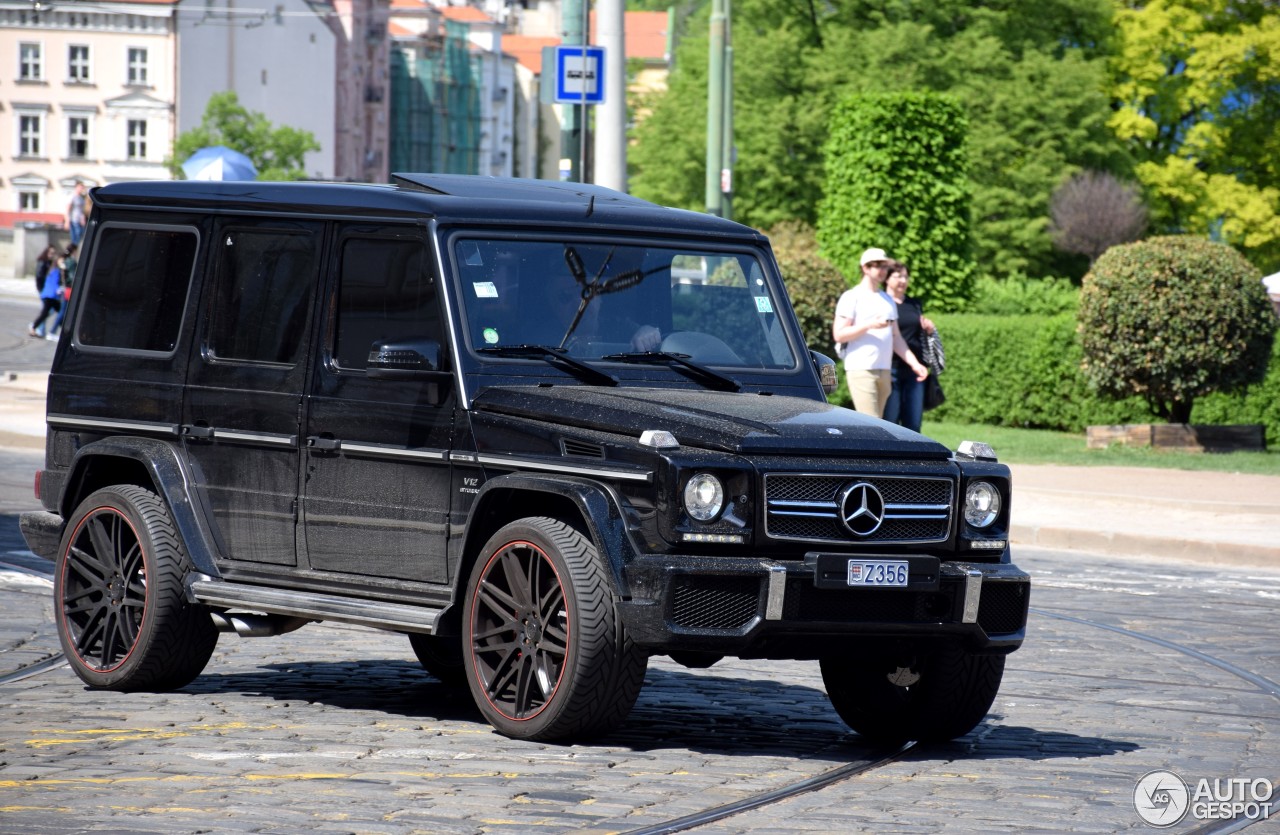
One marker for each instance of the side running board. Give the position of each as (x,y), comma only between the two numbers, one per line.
(395,616)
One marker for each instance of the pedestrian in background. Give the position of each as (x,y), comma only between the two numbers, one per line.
(906,402)
(43,263)
(76,214)
(50,298)
(867,337)
(69,262)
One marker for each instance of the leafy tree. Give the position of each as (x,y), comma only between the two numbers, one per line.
(896,178)
(1172,318)
(1093,211)
(1031,77)
(813,283)
(1197,91)
(277,153)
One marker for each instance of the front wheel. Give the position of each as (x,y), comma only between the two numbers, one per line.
(123,618)
(929,697)
(546,652)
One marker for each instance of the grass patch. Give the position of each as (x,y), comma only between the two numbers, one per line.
(1042,446)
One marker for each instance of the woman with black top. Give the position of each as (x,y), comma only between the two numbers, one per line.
(905,406)
(43,263)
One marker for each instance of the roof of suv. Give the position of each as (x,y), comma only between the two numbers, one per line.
(451,196)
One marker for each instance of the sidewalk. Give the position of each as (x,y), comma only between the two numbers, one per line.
(1205,517)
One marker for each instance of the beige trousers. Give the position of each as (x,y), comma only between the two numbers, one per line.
(870,390)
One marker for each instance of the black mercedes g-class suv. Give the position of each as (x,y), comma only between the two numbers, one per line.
(545,430)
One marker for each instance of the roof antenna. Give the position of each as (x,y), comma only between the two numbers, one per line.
(591,205)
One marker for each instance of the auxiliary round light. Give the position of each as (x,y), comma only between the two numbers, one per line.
(981,504)
(703,497)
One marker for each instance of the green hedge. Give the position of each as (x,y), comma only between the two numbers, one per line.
(896,178)
(1024,371)
(1258,403)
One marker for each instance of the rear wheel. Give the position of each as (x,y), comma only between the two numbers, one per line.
(123,618)
(546,652)
(930,697)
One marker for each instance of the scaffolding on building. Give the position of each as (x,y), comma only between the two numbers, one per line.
(435,104)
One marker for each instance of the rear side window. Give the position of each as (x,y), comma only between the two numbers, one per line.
(137,288)
(385,293)
(263,293)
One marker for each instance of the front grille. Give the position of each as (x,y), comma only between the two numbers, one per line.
(807,507)
(1003,607)
(804,602)
(714,602)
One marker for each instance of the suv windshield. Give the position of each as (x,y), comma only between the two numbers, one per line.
(594,300)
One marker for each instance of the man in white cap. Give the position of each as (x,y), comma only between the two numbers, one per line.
(866,335)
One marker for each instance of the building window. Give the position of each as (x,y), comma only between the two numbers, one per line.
(78,137)
(30,62)
(30,135)
(137,66)
(78,63)
(137,139)
(28,201)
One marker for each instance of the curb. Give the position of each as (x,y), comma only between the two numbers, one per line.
(1139,545)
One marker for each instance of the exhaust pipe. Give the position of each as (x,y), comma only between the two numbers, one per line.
(256,626)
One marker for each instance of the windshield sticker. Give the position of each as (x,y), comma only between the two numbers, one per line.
(764,304)
(485,289)
(490,336)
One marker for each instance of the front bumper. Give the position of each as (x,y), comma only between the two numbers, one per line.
(754,607)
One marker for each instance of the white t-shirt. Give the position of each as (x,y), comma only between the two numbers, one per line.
(874,349)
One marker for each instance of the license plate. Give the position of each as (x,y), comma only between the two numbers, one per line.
(877,573)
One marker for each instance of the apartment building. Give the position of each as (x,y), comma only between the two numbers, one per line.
(86,95)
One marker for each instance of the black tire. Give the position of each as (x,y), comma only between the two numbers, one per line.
(932,698)
(546,652)
(123,618)
(442,657)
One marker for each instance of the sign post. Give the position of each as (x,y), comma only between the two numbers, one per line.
(580,82)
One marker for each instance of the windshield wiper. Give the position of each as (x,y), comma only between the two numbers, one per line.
(713,379)
(583,371)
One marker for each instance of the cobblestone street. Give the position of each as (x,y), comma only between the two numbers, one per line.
(336,729)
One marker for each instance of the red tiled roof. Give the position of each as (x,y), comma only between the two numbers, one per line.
(466,14)
(527,50)
(646,34)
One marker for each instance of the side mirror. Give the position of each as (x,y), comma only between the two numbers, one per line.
(826,368)
(404,359)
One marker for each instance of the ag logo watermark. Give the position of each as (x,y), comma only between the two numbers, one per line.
(1163,799)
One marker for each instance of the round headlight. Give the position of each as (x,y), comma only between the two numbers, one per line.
(703,497)
(981,504)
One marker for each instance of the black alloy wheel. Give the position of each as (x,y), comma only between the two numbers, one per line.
(547,655)
(124,621)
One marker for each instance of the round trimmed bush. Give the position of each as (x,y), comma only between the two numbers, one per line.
(1172,318)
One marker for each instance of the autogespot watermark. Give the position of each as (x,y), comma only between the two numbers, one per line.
(1162,798)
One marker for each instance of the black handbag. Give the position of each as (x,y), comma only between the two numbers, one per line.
(933,394)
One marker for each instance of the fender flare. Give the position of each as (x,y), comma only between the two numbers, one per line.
(598,505)
(171,478)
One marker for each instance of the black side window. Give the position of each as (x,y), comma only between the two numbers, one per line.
(137,288)
(263,293)
(384,293)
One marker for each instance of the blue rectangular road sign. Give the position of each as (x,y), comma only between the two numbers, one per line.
(579,74)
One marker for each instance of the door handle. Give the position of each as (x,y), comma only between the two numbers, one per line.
(201,432)
(323,444)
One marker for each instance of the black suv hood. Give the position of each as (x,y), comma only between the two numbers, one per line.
(732,422)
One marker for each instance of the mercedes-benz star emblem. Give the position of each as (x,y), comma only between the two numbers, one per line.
(861,508)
